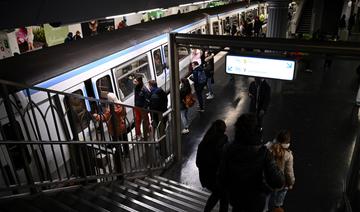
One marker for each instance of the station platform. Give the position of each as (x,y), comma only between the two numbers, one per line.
(319,109)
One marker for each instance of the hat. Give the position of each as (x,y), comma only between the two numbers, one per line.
(112,98)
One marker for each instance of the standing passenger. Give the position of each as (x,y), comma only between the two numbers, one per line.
(185,90)
(284,159)
(199,78)
(259,92)
(248,168)
(209,72)
(141,101)
(208,159)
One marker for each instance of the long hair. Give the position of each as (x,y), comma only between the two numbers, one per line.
(186,84)
(140,84)
(277,150)
(217,129)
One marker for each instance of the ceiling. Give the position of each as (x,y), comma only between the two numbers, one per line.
(35,12)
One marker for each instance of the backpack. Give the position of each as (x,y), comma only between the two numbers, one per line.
(163,100)
(201,77)
(189,100)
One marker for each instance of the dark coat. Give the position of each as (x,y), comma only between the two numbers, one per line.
(208,159)
(263,98)
(209,67)
(195,75)
(248,172)
(158,100)
(142,96)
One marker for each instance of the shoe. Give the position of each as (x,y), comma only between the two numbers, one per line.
(201,110)
(185,131)
(211,96)
(207,94)
(308,70)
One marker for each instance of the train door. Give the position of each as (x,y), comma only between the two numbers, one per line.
(160,67)
(77,114)
(215,28)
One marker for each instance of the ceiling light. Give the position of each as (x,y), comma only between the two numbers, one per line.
(119,16)
(147,11)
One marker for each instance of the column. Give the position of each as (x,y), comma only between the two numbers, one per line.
(277,22)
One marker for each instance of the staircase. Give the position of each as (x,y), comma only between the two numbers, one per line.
(142,194)
(306,17)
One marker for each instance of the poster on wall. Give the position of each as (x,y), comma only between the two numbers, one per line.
(97,27)
(5,50)
(55,35)
(30,38)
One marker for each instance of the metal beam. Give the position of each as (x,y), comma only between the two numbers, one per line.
(338,48)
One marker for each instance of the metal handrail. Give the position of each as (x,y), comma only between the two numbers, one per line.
(58,142)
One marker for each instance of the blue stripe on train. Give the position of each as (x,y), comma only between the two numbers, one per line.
(82,69)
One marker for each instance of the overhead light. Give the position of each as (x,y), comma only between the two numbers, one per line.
(208,1)
(184,5)
(147,11)
(196,3)
(119,16)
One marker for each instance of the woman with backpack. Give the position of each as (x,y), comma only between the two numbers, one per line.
(185,94)
(284,159)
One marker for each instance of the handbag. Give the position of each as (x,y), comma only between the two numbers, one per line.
(189,100)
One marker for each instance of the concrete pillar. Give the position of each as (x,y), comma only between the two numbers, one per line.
(277,25)
(278,18)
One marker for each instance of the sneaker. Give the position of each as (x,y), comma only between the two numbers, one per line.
(185,131)
(211,96)
(201,110)
(308,70)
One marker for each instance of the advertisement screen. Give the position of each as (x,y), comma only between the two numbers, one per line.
(260,67)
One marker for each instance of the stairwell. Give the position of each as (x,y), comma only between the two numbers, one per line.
(304,26)
(154,193)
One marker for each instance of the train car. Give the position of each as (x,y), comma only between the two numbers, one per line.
(92,66)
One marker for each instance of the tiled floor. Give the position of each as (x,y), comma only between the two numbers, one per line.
(317,107)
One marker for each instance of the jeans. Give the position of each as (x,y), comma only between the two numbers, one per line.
(277,198)
(184,118)
(199,90)
(209,86)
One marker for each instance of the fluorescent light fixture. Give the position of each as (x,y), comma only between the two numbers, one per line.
(147,11)
(184,5)
(199,2)
(208,1)
(119,16)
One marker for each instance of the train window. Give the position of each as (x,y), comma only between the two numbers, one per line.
(216,28)
(198,31)
(77,112)
(126,73)
(166,54)
(182,52)
(158,62)
(103,86)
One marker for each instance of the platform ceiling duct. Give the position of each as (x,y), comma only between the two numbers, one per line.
(26,13)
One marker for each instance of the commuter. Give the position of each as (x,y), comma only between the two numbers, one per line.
(351,23)
(259,93)
(208,159)
(196,55)
(199,79)
(257,26)
(77,35)
(185,103)
(342,23)
(158,102)
(69,37)
(117,132)
(248,171)
(141,102)
(284,159)
(209,72)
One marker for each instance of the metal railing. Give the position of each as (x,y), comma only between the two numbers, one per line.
(51,139)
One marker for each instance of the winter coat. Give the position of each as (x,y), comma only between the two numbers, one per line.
(208,159)
(120,114)
(263,98)
(249,172)
(142,97)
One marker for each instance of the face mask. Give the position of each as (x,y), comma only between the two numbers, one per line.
(285,146)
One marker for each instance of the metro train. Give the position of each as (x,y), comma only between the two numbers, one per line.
(108,62)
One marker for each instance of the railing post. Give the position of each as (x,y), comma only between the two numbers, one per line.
(175,96)
(12,120)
